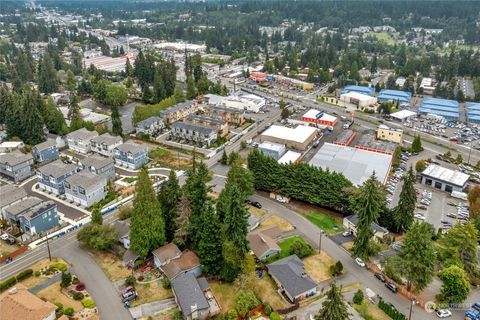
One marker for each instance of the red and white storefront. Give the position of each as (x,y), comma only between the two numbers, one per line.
(325,119)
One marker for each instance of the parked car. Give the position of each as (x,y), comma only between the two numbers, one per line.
(422,207)
(129,296)
(347,233)
(390,286)
(419,216)
(444,313)
(256,204)
(360,262)
(380,277)
(4,236)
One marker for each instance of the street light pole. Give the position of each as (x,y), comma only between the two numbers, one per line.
(411,307)
(48,248)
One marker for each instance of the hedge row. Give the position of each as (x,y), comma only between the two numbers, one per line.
(392,313)
(13,280)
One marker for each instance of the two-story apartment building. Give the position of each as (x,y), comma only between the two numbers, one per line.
(105,143)
(151,126)
(232,116)
(221,126)
(45,151)
(98,165)
(202,136)
(16,165)
(79,140)
(51,176)
(9,195)
(131,155)
(85,188)
(179,111)
(33,215)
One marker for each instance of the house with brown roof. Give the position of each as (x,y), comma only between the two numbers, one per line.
(172,262)
(19,303)
(263,242)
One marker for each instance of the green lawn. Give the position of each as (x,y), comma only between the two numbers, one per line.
(158,153)
(324,222)
(383,36)
(286,244)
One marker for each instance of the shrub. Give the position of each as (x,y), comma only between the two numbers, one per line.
(166,283)
(245,301)
(7,283)
(124,213)
(24,274)
(358,297)
(140,278)
(301,249)
(80,286)
(59,308)
(336,269)
(78,296)
(275,316)
(66,279)
(267,309)
(130,281)
(390,312)
(75,280)
(68,311)
(37,273)
(58,266)
(88,303)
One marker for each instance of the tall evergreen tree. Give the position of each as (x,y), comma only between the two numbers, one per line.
(369,204)
(31,122)
(168,196)
(74,115)
(116,122)
(191,89)
(13,115)
(210,240)
(235,217)
(335,307)
(147,226)
(406,204)
(240,176)
(182,222)
(47,75)
(417,144)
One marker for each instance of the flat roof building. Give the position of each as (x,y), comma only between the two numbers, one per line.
(290,157)
(473,111)
(355,164)
(320,117)
(345,137)
(298,138)
(403,115)
(444,179)
(440,107)
(359,100)
(389,134)
(394,96)
(275,150)
(359,89)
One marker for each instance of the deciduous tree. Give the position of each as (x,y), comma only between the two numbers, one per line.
(455,284)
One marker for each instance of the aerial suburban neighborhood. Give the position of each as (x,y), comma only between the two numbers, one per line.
(260,160)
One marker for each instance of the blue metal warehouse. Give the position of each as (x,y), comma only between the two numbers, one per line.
(363,90)
(394,96)
(473,111)
(441,107)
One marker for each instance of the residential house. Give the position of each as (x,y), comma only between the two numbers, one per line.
(79,140)
(232,116)
(16,165)
(263,243)
(291,278)
(131,155)
(85,188)
(221,126)
(172,262)
(10,195)
(194,297)
(98,165)
(8,146)
(45,151)
(179,111)
(151,126)
(105,143)
(350,222)
(33,215)
(51,176)
(202,136)
(19,303)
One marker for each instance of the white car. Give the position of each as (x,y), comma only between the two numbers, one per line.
(360,262)
(4,236)
(444,313)
(419,216)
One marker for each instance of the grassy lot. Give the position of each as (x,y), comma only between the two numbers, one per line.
(383,36)
(318,265)
(266,290)
(169,159)
(286,244)
(53,294)
(351,287)
(111,265)
(33,281)
(129,179)
(6,248)
(283,224)
(150,292)
(225,294)
(256,212)
(324,222)
(370,311)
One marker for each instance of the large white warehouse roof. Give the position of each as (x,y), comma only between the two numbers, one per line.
(299,134)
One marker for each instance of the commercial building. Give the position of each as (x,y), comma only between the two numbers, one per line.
(10,195)
(403,115)
(290,157)
(440,107)
(178,111)
(355,164)
(359,100)
(271,149)
(444,179)
(109,64)
(19,303)
(221,126)
(151,126)
(427,85)
(33,215)
(294,82)
(298,138)
(16,165)
(232,116)
(359,89)
(345,137)
(394,96)
(50,177)
(389,134)
(96,164)
(85,188)
(79,140)
(45,151)
(368,142)
(105,143)
(239,101)
(131,155)
(473,111)
(319,117)
(202,136)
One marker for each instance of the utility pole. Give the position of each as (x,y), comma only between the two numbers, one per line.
(411,307)
(48,248)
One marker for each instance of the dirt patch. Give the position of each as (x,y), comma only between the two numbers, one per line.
(40,265)
(348,245)
(150,292)
(111,265)
(266,291)
(282,224)
(256,212)
(6,248)
(225,294)
(318,266)
(351,287)
(53,294)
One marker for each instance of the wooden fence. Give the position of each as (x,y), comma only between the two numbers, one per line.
(15,253)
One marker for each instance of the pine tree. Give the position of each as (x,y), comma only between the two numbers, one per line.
(74,115)
(406,205)
(147,226)
(191,89)
(369,204)
(168,196)
(31,121)
(232,261)
(235,217)
(159,92)
(210,240)
(47,78)
(335,307)
(128,68)
(116,122)
(417,144)
(240,176)
(224,159)
(184,211)
(179,94)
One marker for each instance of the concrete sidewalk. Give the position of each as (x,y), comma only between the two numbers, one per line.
(153,308)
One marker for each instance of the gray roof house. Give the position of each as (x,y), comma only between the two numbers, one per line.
(50,177)
(79,140)
(98,165)
(350,224)
(263,243)
(202,136)
(151,126)
(291,278)
(45,151)
(16,165)
(105,143)
(194,297)
(179,111)
(85,188)
(131,155)
(9,195)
